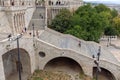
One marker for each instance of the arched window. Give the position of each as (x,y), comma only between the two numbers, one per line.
(49,2)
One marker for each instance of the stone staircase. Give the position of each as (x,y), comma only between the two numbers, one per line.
(68,42)
(38,19)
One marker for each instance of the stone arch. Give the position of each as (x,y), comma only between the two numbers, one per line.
(104,74)
(10,64)
(64,64)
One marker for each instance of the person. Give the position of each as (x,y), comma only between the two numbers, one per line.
(37,33)
(108,42)
(79,43)
(10,35)
(25,29)
(30,33)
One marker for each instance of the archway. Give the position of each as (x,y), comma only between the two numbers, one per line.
(10,64)
(104,74)
(64,64)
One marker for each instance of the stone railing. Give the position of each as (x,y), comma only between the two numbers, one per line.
(108,37)
(13,8)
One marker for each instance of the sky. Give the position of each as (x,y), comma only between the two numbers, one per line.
(111,1)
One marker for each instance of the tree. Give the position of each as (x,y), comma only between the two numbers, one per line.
(106,19)
(87,22)
(91,22)
(62,21)
(77,32)
(114,13)
(110,31)
(102,8)
(75,20)
(116,24)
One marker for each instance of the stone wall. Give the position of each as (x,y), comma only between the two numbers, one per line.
(25,44)
(4,24)
(28,16)
(86,63)
(51,51)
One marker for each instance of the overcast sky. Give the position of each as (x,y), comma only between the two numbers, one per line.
(113,1)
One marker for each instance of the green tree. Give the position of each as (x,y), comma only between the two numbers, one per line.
(75,20)
(91,22)
(62,21)
(77,32)
(106,19)
(110,31)
(101,7)
(114,13)
(87,22)
(116,24)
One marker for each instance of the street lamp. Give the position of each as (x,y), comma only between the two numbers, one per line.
(33,33)
(96,61)
(33,30)
(18,50)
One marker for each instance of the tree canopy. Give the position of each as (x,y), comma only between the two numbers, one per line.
(62,21)
(87,22)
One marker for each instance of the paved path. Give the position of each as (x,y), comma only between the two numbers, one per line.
(114,48)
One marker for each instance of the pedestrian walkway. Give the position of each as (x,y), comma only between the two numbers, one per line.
(114,48)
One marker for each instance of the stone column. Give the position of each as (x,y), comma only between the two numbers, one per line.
(46,17)
(17,20)
(24,20)
(2,75)
(15,26)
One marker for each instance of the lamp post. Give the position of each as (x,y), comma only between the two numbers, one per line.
(33,33)
(18,50)
(19,67)
(33,30)
(96,61)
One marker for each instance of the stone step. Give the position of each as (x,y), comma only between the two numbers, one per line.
(38,19)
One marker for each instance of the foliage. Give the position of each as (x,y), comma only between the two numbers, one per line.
(116,24)
(76,31)
(87,22)
(62,21)
(110,31)
(102,8)
(114,13)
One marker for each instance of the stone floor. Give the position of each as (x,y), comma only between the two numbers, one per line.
(15,76)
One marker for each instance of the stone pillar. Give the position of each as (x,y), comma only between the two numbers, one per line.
(88,70)
(2,75)
(46,17)
(24,20)
(15,26)
(19,27)
(17,20)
